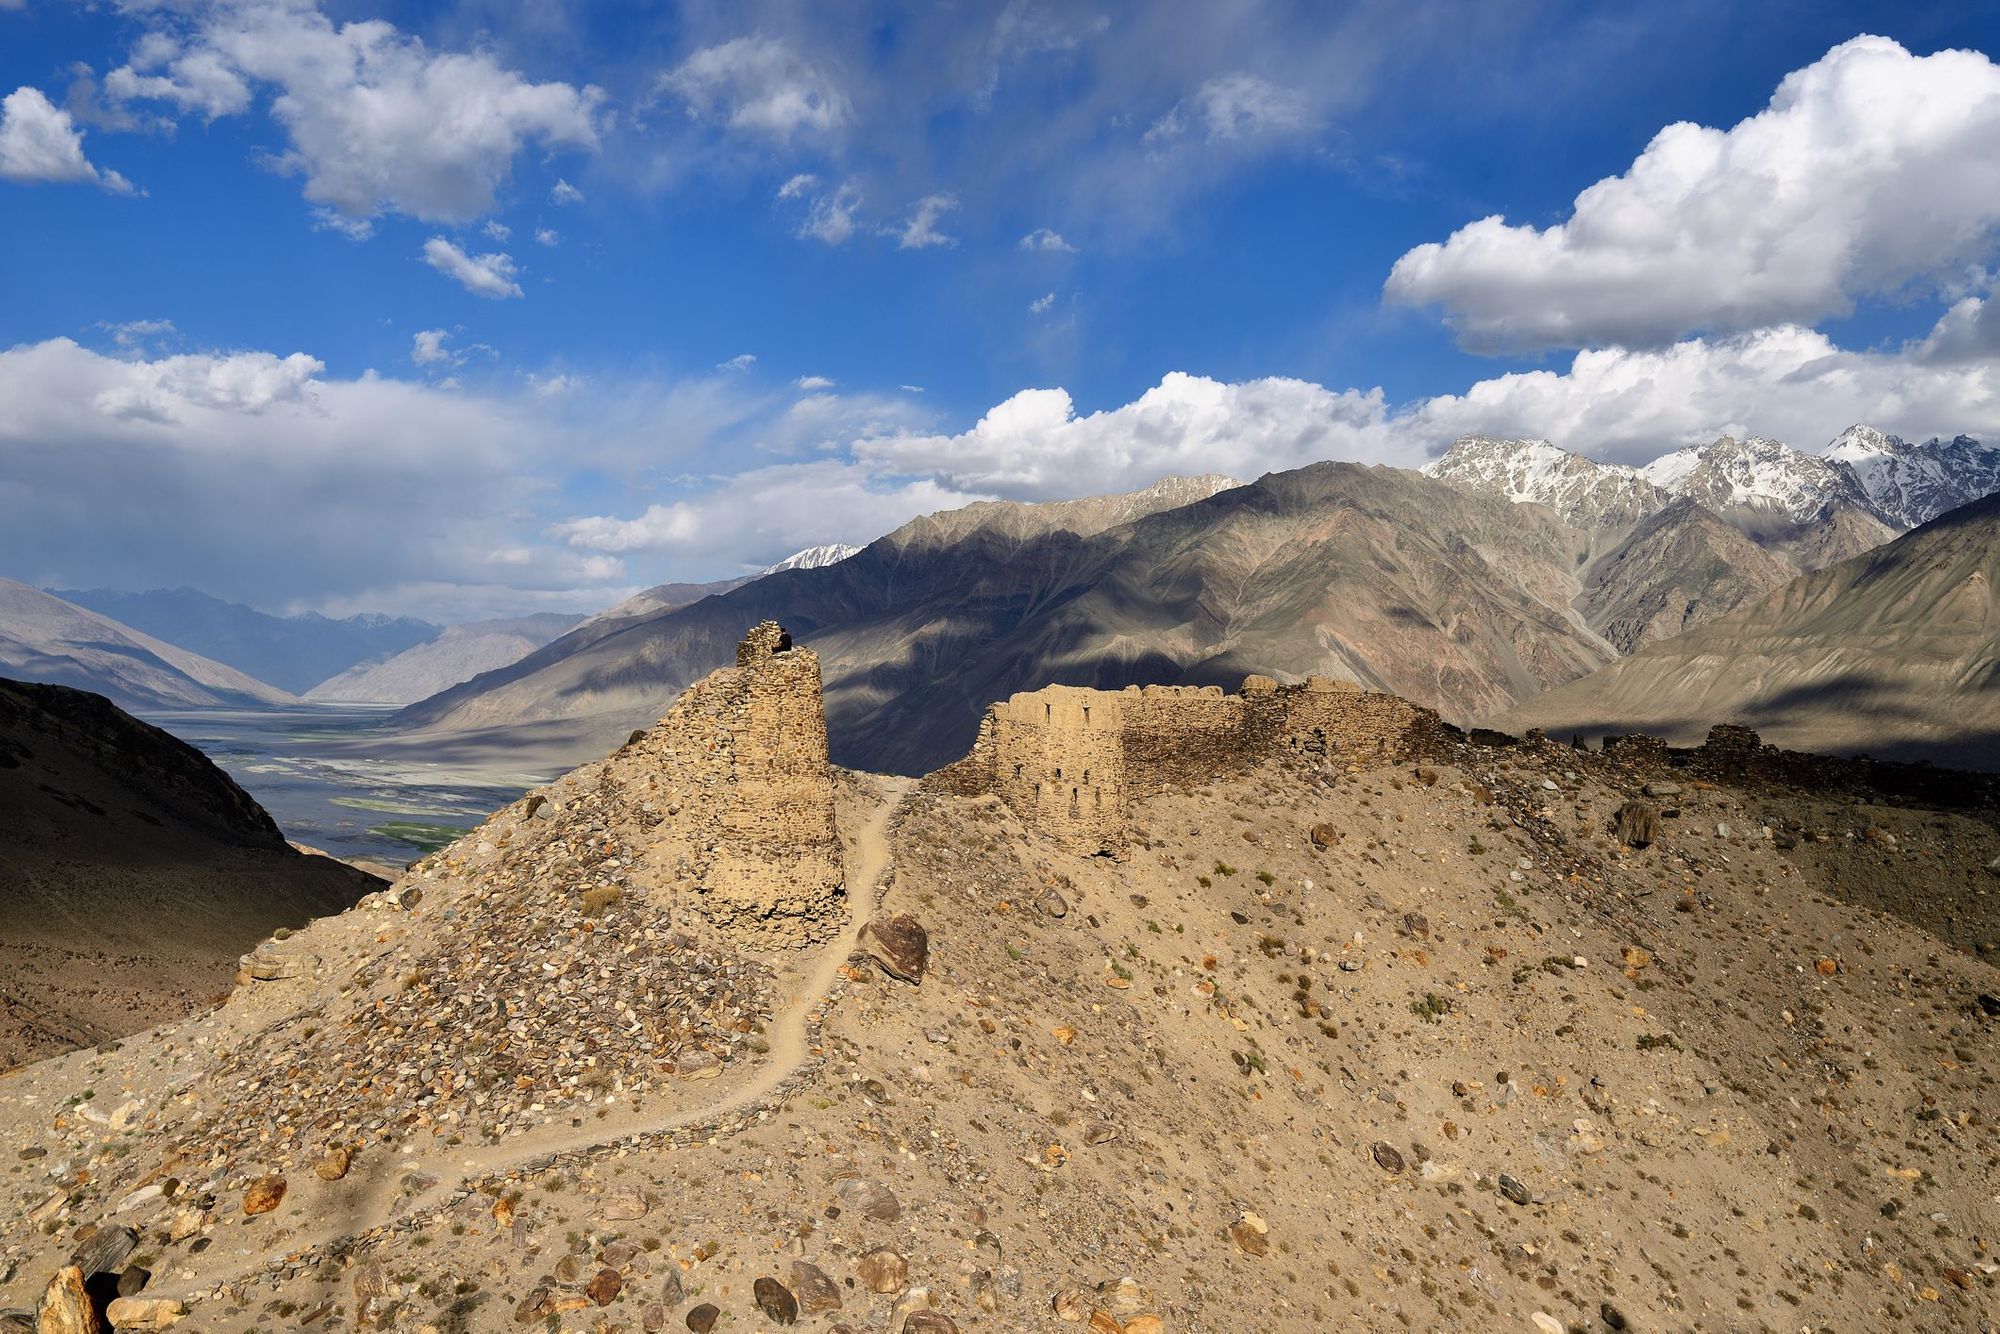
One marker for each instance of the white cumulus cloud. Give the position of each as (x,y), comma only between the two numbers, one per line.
(490,276)
(39,143)
(377,120)
(1871,170)
(1044,239)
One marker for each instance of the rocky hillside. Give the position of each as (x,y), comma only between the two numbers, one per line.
(1517,1038)
(1891,653)
(43,638)
(1372,575)
(132,873)
(459,653)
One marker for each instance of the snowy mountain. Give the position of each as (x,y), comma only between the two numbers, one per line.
(815,558)
(1758,475)
(1584,492)
(1913,484)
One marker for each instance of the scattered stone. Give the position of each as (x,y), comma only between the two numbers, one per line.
(104,1250)
(132,1280)
(814,1288)
(605,1285)
(1514,1190)
(264,1194)
(1251,1234)
(871,1199)
(1385,1156)
(1989,1005)
(1638,824)
(625,1206)
(1070,1306)
(143,1313)
(908,1307)
(333,1165)
(882,1270)
(1612,1317)
(1546,1323)
(776,1300)
(701,1319)
(899,945)
(672,1293)
(1662,789)
(929,1322)
(1323,835)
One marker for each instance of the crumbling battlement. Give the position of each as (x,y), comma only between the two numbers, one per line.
(1071,760)
(744,755)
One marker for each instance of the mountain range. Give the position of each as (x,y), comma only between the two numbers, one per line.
(43,638)
(1370,574)
(293,653)
(1894,653)
(458,653)
(1504,569)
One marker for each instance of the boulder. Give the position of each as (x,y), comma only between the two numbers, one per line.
(66,1308)
(143,1313)
(899,945)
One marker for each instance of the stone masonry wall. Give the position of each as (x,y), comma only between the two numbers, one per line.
(744,751)
(1070,760)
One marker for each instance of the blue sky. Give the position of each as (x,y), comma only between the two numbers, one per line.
(481,308)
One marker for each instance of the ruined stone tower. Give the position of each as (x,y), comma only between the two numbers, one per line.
(744,753)
(1070,760)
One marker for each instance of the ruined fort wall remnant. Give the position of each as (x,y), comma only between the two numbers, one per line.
(1070,760)
(743,759)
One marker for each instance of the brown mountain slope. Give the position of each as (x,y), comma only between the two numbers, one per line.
(1373,575)
(1678,568)
(133,872)
(1895,653)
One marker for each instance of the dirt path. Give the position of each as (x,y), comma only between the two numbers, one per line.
(789,1034)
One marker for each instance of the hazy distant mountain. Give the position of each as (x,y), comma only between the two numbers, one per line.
(1913,484)
(132,873)
(1895,653)
(294,653)
(1370,574)
(43,638)
(460,653)
(659,598)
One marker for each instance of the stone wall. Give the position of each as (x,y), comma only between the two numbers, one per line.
(743,763)
(1070,760)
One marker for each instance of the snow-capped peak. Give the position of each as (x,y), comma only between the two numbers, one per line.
(815,558)
(1584,492)
(1913,484)
(1756,473)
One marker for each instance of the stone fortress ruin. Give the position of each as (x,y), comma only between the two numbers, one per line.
(744,754)
(1070,760)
